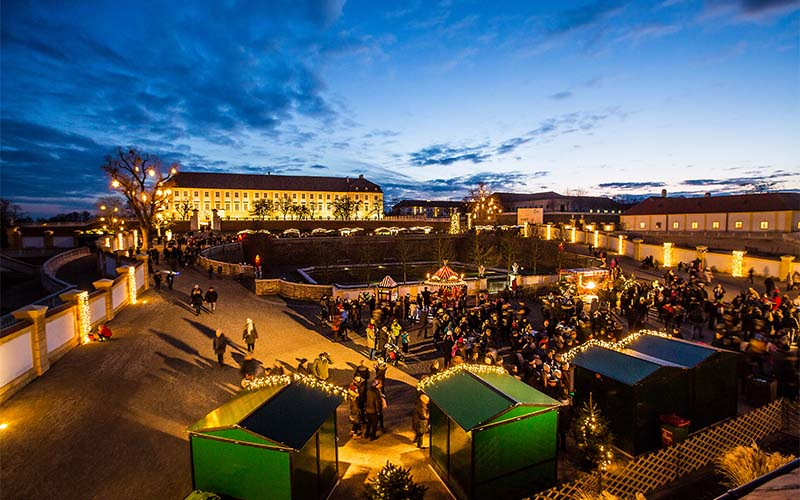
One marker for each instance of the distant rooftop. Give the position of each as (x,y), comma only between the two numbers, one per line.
(763,202)
(270,182)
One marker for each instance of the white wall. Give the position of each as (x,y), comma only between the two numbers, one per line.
(60,330)
(16,358)
(140,277)
(97,308)
(119,293)
(32,242)
(63,241)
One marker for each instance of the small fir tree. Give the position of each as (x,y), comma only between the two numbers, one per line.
(394,483)
(593,437)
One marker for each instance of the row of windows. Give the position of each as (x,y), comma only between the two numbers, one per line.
(256,196)
(714,225)
(246,206)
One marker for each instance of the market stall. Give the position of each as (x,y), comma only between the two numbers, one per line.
(277,442)
(492,436)
(447,282)
(632,390)
(386,289)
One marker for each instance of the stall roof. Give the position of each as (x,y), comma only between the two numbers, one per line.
(681,352)
(286,414)
(387,282)
(472,399)
(628,367)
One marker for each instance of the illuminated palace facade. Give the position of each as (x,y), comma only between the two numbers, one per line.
(235,196)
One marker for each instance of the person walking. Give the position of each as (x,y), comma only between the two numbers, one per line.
(372,408)
(210,271)
(170,279)
(157,279)
(220,344)
(196,299)
(211,297)
(249,335)
(420,419)
(371,339)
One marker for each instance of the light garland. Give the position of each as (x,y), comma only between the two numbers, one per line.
(131,284)
(667,254)
(84,316)
(119,241)
(621,244)
(596,238)
(614,346)
(549,232)
(273,380)
(737,264)
(470,367)
(455,223)
(573,235)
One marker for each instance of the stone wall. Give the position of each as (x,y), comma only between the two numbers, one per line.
(289,290)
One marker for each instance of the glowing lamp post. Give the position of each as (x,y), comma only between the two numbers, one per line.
(549,232)
(596,238)
(737,264)
(572,235)
(667,254)
(84,316)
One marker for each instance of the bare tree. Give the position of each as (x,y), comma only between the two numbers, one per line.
(483,206)
(345,208)
(284,206)
(481,251)
(112,211)
(509,248)
(534,249)
(142,179)
(367,254)
(262,208)
(184,208)
(405,252)
(442,250)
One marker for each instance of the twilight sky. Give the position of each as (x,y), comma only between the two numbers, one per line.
(424,98)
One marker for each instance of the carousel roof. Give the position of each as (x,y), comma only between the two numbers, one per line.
(387,282)
(445,277)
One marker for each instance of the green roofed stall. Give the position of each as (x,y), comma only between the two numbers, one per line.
(492,436)
(278,442)
(632,390)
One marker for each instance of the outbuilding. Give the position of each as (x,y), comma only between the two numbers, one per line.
(277,442)
(632,390)
(492,436)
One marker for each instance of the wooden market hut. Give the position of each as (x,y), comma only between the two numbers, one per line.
(447,280)
(386,288)
(492,436)
(632,390)
(278,442)
(714,391)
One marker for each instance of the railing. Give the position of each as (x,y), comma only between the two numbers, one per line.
(51,267)
(656,469)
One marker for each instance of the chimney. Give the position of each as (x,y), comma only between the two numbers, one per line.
(663,193)
(707,195)
(347,179)
(360,176)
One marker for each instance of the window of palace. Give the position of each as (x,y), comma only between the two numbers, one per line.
(235,194)
(244,195)
(245,206)
(694,225)
(235,206)
(658,225)
(738,224)
(196,194)
(227,206)
(275,196)
(303,196)
(641,225)
(255,195)
(206,195)
(329,197)
(186,194)
(216,205)
(197,205)
(715,224)
(227,195)
(356,196)
(207,206)
(216,194)
(764,224)
(676,225)
(294,196)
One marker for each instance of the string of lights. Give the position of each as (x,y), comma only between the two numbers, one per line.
(132,284)
(444,375)
(84,316)
(274,380)
(615,346)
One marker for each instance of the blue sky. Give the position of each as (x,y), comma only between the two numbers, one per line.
(425,98)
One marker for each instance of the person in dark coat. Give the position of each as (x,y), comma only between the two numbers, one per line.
(420,419)
(211,297)
(170,279)
(157,279)
(372,409)
(303,368)
(249,335)
(355,411)
(196,299)
(220,344)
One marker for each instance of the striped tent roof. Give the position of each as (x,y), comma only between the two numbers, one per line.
(387,282)
(445,277)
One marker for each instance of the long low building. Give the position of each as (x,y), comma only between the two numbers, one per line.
(235,196)
(765,212)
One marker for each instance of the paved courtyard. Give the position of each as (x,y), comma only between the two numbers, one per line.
(108,420)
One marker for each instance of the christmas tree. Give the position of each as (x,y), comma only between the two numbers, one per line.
(593,437)
(394,483)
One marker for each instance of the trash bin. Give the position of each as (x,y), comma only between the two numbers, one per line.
(674,429)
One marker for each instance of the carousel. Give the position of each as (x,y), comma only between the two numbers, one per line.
(447,282)
(386,289)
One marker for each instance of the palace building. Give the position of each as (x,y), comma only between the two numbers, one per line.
(236,196)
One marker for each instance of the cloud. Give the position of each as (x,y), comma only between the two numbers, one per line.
(647,32)
(442,154)
(631,185)
(585,15)
(318,167)
(749,10)
(564,94)
(455,188)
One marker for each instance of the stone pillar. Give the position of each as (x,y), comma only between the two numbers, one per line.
(194,222)
(702,252)
(216,221)
(637,249)
(144,259)
(786,266)
(36,314)
(105,285)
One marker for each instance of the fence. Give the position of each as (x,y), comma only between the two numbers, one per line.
(50,268)
(656,469)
